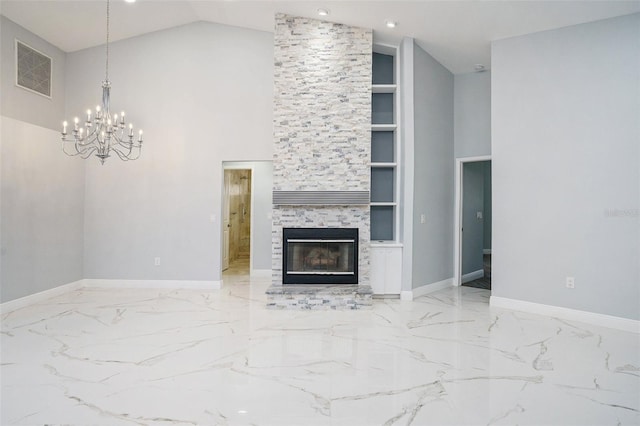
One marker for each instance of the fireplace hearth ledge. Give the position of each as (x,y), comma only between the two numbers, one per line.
(310,296)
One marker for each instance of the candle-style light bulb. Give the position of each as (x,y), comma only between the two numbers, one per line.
(140,136)
(131,129)
(122,118)
(88,115)
(64,127)
(75,123)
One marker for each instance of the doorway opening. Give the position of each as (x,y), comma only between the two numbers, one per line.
(473,222)
(236,223)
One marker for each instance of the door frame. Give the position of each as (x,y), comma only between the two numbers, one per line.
(457,237)
(225,220)
(247,166)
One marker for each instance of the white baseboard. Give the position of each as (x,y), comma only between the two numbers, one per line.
(406,295)
(32,299)
(170,284)
(426,289)
(603,320)
(475,275)
(486,251)
(261,273)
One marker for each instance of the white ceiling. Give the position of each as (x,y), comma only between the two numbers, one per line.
(457,33)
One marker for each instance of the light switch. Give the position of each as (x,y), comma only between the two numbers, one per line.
(423,218)
(212,218)
(479,215)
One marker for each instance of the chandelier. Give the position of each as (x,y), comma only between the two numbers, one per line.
(102,133)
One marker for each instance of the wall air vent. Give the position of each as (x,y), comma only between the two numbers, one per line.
(33,70)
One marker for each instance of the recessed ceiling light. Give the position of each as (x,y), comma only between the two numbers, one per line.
(479,67)
(130,1)
(242,411)
(391,24)
(323,12)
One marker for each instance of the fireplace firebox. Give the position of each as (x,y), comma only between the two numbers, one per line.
(320,256)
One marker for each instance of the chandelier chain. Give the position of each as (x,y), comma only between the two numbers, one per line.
(106,73)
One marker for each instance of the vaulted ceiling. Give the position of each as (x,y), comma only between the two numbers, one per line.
(456,33)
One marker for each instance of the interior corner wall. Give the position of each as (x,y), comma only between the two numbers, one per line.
(472,117)
(41,211)
(433,170)
(262,210)
(203,93)
(19,103)
(566,167)
(407,135)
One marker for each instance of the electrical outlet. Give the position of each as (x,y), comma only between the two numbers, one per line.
(571,282)
(156,261)
(423,218)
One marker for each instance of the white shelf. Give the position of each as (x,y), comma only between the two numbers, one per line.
(383,88)
(384,164)
(383,127)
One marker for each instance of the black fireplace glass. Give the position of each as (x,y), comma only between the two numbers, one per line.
(320,256)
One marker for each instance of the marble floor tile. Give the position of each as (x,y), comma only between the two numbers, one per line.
(188,357)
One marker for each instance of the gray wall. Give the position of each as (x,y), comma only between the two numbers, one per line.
(473,229)
(203,94)
(262,210)
(42,198)
(566,167)
(433,170)
(472,118)
(22,104)
(262,181)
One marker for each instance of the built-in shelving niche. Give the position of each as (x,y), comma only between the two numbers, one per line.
(384,147)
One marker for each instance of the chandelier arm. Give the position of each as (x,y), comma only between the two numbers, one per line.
(139,148)
(84,153)
(88,153)
(124,156)
(64,149)
(126,149)
(67,142)
(121,156)
(91,135)
(120,138)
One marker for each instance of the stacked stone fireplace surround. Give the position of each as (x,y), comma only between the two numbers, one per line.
(322,137)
